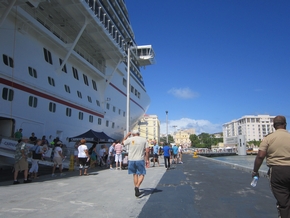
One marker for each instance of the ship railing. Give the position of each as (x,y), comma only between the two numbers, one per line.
(64,38)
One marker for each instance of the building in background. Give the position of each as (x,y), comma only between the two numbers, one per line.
(251,127)
(181,137)
(149,128)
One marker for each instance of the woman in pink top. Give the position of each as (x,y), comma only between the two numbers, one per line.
(118,156)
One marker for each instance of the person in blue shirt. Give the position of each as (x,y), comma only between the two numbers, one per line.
(175,153)
(155,154)
(166,154)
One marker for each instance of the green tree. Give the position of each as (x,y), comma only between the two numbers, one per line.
(195,142)
(170,139)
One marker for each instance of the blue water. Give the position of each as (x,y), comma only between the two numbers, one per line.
(246,161)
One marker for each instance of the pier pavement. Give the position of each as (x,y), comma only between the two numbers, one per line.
(199,188)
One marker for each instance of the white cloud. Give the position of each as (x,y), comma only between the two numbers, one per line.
(183,93)
(200,126)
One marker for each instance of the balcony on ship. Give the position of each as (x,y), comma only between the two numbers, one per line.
(145,55)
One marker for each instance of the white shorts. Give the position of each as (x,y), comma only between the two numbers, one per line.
(118,158)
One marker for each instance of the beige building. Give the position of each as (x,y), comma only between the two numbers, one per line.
(182,136)
(149,127)
(251,127)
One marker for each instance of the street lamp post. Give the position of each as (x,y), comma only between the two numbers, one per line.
(129,44)
(166,126)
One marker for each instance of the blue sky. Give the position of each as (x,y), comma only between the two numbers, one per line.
(216,60)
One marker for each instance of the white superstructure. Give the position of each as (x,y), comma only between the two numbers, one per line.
(63,68)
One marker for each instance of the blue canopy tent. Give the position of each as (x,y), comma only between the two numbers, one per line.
(93,136)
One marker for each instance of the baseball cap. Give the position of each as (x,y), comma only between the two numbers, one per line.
(135,131)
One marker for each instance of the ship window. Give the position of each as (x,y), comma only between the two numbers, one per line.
(107,123)
(68,112)
(7,94)
(124,113)
(52,107)
(51,81)
(132,89)
(125,82)
(114,109)
(75,73)
(119,111)
(47,56)
(32,72)
(113,125)
(91,118)
(79,94)
(138,94)
(86,80)
(81,115)
(67,88)
(32,101)
(8,61)
(94,85)
(98,103)
(90,99)
(108,106)
(64,66)
(99,121)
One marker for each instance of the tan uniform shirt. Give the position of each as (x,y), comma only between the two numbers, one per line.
(277,146)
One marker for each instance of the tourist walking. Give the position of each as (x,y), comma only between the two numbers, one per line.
(166,154)
(83,157)
(112,155)
(137,147)
(36,151)
(57,158)
(180,149)
(93,155)
(21,163)
(155,154)
(118,155)
(175,153)
(275,147)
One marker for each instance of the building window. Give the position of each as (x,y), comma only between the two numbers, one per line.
(107,123)
(51,81)
(99,121)
(91,118)
(52,107)
(68,112)
(47,56)
(90,99)
(79,94)
(8,61)
(75,73)
(32,101)
(32,72)
(86,80)
(98,103)
(67,88)
(64,66)
(7,94)
(81,115)
(94,85)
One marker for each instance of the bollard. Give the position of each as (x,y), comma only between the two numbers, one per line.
(72,163)
(195,154)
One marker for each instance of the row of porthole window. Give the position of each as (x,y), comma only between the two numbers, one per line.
(8,94)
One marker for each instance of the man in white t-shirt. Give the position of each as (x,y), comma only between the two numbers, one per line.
(137,146)
(180,154)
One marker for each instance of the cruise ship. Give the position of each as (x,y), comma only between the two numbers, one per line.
(64,67)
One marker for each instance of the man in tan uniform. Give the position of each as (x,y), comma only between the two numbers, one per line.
(276,148)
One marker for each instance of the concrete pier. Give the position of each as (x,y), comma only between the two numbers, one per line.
(199,188)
